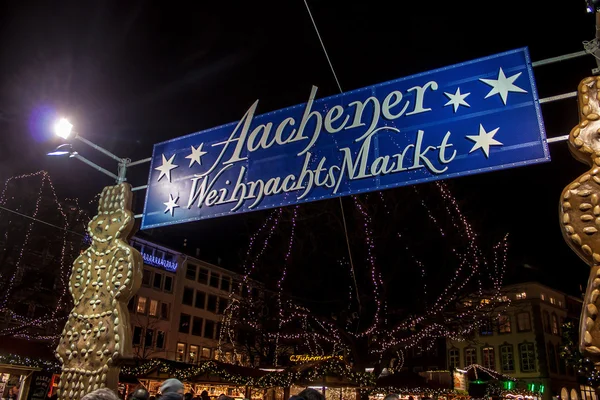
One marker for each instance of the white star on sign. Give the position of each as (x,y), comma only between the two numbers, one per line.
(196,154)
(171,204)
(484,140)
(166,167)
(457,99)
(503,85)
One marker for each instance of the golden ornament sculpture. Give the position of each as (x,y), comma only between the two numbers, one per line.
(580,209)
(103,280)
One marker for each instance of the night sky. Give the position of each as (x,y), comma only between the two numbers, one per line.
(130,74)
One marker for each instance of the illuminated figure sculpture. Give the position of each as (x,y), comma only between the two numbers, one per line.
(580,209)
(103,280)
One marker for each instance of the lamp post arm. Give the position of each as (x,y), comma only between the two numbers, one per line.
(95,166)
(100,149)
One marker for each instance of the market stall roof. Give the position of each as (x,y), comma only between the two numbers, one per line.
(204,371)
(20,356)
(17,369)
(331,372)
(216,371)
(476,372)
(21,348)
(402,379)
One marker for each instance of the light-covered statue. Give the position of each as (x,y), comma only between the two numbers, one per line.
(103,280)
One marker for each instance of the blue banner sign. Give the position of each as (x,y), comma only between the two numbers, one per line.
(468,118)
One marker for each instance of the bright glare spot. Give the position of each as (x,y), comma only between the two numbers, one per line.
(63,128)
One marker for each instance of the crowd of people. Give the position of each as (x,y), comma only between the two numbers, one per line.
(173,389)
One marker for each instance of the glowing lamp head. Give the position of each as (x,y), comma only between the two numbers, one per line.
(63,128)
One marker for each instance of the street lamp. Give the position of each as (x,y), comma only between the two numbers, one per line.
(63,128)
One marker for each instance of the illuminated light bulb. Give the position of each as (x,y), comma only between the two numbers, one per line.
(63,128)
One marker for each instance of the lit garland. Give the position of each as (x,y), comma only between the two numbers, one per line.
(67,252)
(490,372)
(572,356)
(14,359)
(425,391)
(187,372)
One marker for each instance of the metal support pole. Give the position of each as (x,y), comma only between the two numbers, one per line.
(559,58)
(142,161)
(95,166)
(100,149)
(123,170)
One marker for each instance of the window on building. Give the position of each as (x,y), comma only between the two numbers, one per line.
(197,326)
(552,358)
(193,354)
(507,358)
(149,338)
(547,323)
(184,323)
(205,352)
(552,300)
(521,296)
(523,322)
(214,279)
(168,286)
(157,281)
(486,328)
(203,276)
(141,305)
(225,283)
(200,299)
(223,303)
(489,360)
(543,297)
(146,277)
(228,357)
(190,271)
(485,301)
(470,356)
(137,335)
(504,324)
(209,329)
(211,304)
(554,324)
(164,310)
(527,357)
(587,392)
(454,358)
(574,395)
(153,310)
(160,340)
(180,351)
(188,296)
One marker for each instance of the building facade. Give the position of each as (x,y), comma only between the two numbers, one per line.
(178,311)
(524,342)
